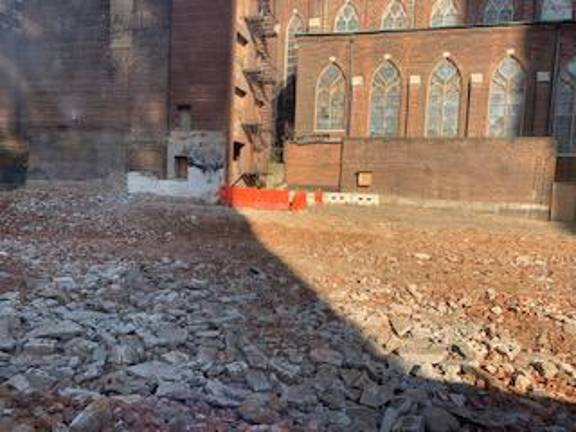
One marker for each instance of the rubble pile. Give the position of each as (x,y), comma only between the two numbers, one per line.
(137,341)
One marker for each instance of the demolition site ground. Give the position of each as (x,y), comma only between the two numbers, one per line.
(122,313)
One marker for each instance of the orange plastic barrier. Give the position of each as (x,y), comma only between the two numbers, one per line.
(262,199)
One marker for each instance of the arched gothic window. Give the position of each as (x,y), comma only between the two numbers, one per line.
(347,20)
(507,99)
(385,101)
(444,101)
(296,25)
(330,99)
(565,109)
(556,10)
(395,17)
(444,14)
(499,11)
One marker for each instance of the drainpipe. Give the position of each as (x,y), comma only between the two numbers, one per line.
(350,88)
(555,72)
(230,96)
(169,85)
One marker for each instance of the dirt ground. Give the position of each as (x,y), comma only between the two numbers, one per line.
(510,277)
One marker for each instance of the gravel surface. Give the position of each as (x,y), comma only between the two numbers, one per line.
(145,314)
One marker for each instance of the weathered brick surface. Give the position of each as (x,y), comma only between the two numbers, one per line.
(477,170)
(468,170)
(87,83)
(314,165)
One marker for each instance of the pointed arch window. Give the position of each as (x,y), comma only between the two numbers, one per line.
(330,99)
(445,14)
(499,11)
(385,101)
(295,26)
(444,101)
(395,17)
(556,10)
(347,20)
(507,99)
(565,109)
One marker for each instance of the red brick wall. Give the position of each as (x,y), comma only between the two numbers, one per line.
(202,60)
(469,170)
(315,164)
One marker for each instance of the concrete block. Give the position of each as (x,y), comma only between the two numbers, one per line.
(337,198)
(365,199)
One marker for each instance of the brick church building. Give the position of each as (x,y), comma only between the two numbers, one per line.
(429,99)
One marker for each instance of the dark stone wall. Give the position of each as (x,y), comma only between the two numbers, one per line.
(86,82)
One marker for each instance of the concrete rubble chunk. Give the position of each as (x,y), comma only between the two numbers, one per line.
(439,420)
(410,423)
(96,417)
(126,353)
(259,409)
(8,325)
(156,369)
(224,395)
(328,356)
(300,396)
(258,381)
(423,352)
(40,347)
(175,391)
(286,371)
(56,330)
(400,324)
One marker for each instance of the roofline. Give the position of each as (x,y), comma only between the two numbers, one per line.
(555,24)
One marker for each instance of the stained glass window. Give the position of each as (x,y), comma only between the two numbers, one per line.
(499,11)
(565,109)
(507,99)
(444,101)
(395,17)
(556,10)
(445,14)
(347,20)
(330,99)
(385,101)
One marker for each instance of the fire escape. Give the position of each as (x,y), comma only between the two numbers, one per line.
(261,77)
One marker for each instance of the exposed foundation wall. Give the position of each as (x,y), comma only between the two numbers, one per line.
(516,175)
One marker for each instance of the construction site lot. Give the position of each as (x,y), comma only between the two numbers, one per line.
(125,313)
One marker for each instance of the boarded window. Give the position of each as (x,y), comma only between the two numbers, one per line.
(565,109)
(444,101)
(507,99)
(347,20)
(444,14)
(499,11)
(395,17)
(385,101)
(330,99)
(237,151)
(185,117)
(556,10)
(181,167)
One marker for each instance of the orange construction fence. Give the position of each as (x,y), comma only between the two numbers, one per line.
(262,199)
